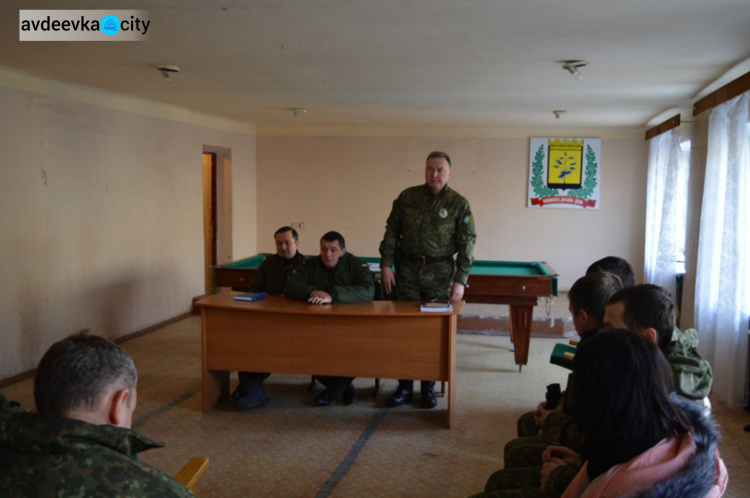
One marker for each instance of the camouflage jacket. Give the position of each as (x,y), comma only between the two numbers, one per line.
(350,281)
(693,375)
(423,223)
(47,455)
(274,272)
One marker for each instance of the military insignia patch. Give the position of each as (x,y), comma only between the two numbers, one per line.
(443,213)
(466,219)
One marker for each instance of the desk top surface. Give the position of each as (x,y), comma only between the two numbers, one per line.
(279,304)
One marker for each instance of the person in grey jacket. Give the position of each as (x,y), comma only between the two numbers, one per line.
(333,277)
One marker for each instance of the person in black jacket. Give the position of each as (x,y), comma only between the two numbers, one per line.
(333,277)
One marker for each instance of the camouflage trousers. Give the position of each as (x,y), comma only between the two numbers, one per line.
(415,282)
(525,482)
(524,451)
(526,425)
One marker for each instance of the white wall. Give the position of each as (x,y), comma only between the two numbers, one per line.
(101,218)
(348,184)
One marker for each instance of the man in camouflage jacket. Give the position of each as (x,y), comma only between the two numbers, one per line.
(80,442)
(428,225)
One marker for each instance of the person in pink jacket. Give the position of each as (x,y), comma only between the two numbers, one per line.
(641,440)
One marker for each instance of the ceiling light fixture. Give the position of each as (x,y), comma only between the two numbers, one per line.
(573,66)
(299,110)
(167,70)
(558,113)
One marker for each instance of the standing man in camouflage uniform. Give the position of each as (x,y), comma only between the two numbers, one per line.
(80,442)
(271,276)
(428,225)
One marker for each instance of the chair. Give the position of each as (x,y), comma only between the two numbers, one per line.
(191,472)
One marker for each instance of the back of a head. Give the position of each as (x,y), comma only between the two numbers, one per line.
(617,266)
(592,292)
(648,306)
(622,385)
(75,372)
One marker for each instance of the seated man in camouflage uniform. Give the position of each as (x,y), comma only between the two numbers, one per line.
(270,278)
(80,442)
(333,277)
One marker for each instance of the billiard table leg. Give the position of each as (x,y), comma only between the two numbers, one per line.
(520,331)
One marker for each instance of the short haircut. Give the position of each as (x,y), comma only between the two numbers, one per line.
(621,386)
(440,155)
(616,265)
(648,306)
(287,229)
(77,371)
(333,237)
(592,292)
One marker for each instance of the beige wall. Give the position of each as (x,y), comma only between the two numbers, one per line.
(101,217)
(348,184)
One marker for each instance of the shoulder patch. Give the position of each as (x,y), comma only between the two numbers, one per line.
(466,219)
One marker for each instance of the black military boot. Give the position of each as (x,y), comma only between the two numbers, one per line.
(427,392)
(404,393)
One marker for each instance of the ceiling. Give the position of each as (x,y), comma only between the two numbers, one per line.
(474,64)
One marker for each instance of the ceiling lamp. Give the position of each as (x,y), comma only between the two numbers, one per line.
(167,70)
(573,66)
(299,111)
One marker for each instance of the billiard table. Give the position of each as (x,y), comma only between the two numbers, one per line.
(515,283)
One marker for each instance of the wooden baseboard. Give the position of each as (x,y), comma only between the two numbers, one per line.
(30,373)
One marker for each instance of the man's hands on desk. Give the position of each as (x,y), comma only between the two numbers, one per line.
(320,297)
(388,279)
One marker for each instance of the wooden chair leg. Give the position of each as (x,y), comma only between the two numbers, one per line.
(191,472)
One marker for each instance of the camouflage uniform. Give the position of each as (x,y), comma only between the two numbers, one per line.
(525,482)
(7,409)
(271,276)
(433,225)
(47,455)
(350,281)
(422,233)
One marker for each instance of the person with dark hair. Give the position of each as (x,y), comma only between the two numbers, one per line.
(648,310)
(617,266)
(273,272)
(537,430)
(79,443)
(639,438)
(428,226)
(587,301)
(335,276)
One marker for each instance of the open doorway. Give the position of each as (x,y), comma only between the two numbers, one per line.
(217,215)
(209,218)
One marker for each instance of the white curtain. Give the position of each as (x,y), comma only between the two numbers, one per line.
(666,213)
(722,294)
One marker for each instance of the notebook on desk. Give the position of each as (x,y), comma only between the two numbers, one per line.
(250,296)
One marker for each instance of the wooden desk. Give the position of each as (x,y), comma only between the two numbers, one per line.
(385,339)
(516,283)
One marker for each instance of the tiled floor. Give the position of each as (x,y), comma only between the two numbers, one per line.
(290,448)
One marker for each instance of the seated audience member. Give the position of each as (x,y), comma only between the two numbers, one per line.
(616,266)
(587,300)
(333,277)
(270,278)
(639,438)
(80,442)
(648,310)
